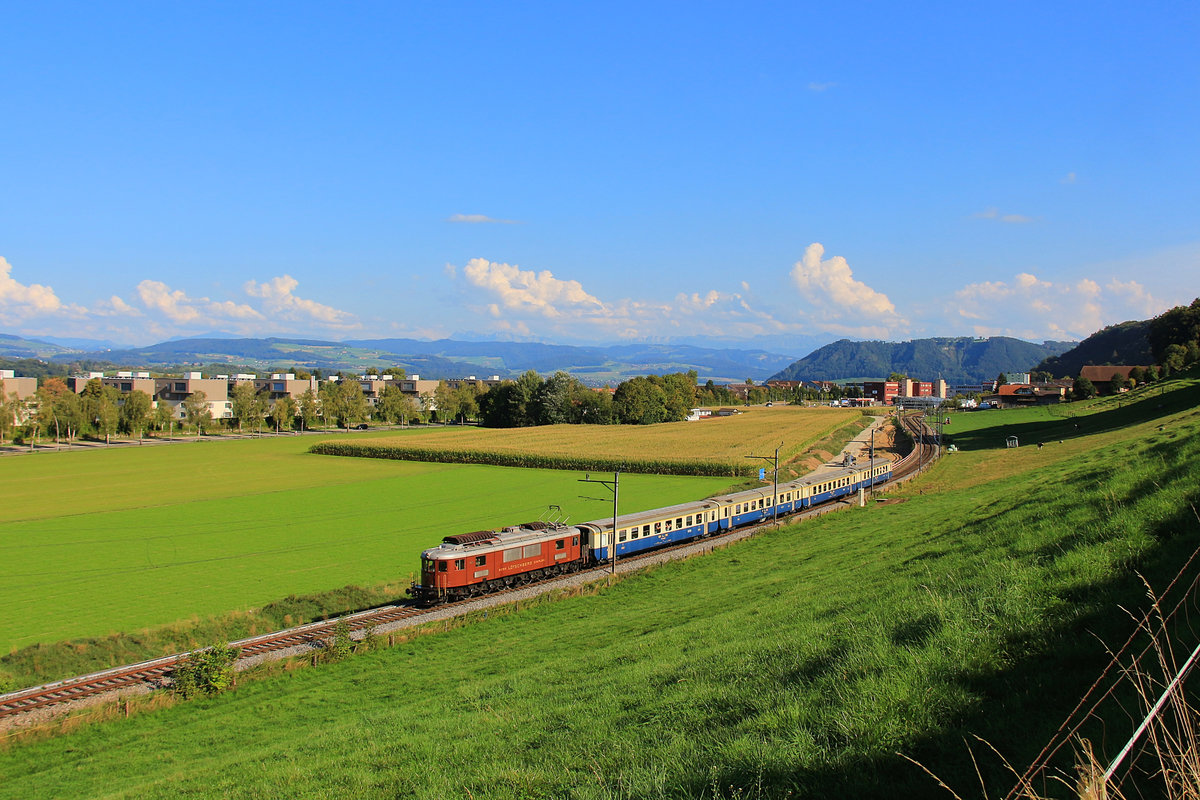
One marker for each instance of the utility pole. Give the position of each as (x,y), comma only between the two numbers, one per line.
(775,493)
(615,486)
(871,459)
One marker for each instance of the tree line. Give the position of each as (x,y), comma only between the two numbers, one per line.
(56,412)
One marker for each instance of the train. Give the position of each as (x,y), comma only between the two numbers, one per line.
(478,563)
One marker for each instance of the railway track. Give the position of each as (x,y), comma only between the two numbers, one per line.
(157,673)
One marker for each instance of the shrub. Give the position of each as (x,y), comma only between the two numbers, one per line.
(341,645)
(206,672)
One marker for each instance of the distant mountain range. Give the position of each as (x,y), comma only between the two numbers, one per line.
(1125,343)
(437,359)
(958,360)
(16,347)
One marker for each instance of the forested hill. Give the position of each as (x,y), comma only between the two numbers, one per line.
(957,360)
(1172,340)
(1125,343)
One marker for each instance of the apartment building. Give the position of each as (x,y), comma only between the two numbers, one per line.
(175,390)
(23,387)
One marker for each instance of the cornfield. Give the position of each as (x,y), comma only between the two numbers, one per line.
(712,448)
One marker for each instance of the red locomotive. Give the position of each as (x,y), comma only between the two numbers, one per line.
(472,564)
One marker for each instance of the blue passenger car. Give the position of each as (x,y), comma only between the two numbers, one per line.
(646,530)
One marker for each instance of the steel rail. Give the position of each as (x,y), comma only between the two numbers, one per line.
(156,673)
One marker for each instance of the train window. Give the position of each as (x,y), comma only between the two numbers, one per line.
(481,561)
(645,530)
(532,550)
(737,509)
(441,566)
(633,533)
(689,520)
(679,522)
(621,536)
(574,541)
(460,563)
(512,554)
(727,511)
(658,527)
(561,544)
(668,526)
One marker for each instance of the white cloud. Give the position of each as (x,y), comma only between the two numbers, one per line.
(114,307)
(525,303)
(280,303)
(840,303)
(528,291)
(278,307)
(994,213)
(19,301)
(174,305)
(1136,298)
(193,312)
(479,219)
(1070,177)
(1033,308)
(815,86)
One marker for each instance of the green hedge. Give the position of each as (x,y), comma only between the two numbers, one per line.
(707,469)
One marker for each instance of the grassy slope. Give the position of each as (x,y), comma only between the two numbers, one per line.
(796,662)
(108,540)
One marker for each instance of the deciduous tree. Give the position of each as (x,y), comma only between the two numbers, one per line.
(283,413)
(135,412)
(164,414)
(466,401)
(58,410)
(247,406)
(639,401)
(354,405)
(310,409)
(196,411)
(395,406)
(330,401)
(443,399)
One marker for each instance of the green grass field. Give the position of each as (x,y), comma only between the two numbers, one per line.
(795,664)
(101,540)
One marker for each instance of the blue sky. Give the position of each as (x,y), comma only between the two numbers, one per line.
(772,174)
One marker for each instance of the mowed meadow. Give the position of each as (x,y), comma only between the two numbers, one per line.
(715,446)
(101,540)
(806,662)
